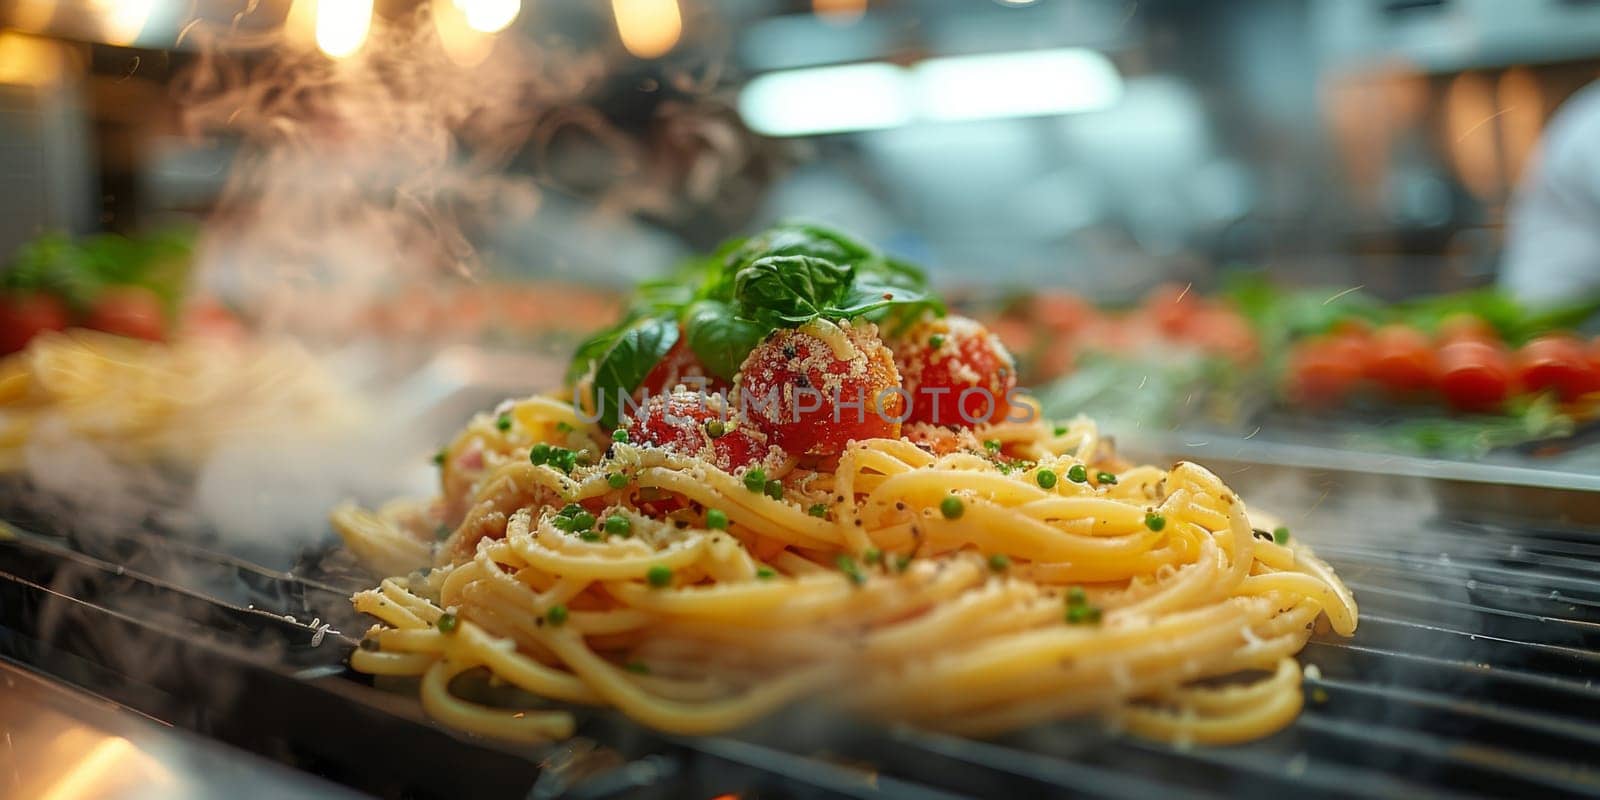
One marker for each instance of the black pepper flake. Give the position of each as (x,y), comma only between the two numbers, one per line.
(370,645)
(1261,534)
(789,351)
(802,381)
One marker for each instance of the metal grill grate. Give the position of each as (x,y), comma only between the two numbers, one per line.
(1473,673)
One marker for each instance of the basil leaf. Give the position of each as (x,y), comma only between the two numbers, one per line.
(719,338)
(636,350)
(789,290)
(591,349)
(879,301)
(800,239)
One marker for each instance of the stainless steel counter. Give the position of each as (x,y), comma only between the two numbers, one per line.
(58,743)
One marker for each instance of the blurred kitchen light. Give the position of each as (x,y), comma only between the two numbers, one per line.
(648,28)
(1016,3)
(342,26)
(839,12)
(121,21)
(1022,84)
(873,96)
(800,102)
(489,16)
(29,61)
(300,24)
(461,42)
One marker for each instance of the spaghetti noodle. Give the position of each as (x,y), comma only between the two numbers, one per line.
(882,515)
(1140,594)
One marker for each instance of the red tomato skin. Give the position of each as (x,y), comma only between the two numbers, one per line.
(679,366)
(775,385)
(1222,331)
(1170,307)
(129,311)
(1062,312)
(24,315)
(1475,375)
(677,423)
(968,357)
(1403,361)
(1465,326)
(1324,372)
(1557,363)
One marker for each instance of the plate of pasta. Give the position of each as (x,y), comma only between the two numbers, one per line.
(787,476)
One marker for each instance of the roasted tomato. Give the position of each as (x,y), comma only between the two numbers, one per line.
(815,388)
(1557,363)
(1402,360)
(956,372)
(1323,372)
(680,363)
(24,315)
(693,424)
(130,311)
(1475,375)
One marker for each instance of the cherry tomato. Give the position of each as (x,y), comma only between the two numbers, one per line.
(1557,363)
(678,366)
(815,388)
(686,423)
(130,311)
(1061,312)
(1464,325)
(24,315)
(1323,372)
(1475,375)
(956,371)
(1224,332)
(1171,306)
(1402,360)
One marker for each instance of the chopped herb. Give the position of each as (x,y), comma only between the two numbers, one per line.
(716,519)
(1280,535)
(503,422)
(952,507)
(447,623)
(619,435)
(871,555)
(1154,521)
(936,341)
(564,427)
(617,480)
(618,525)
(999,562)
(1076,596)
(756,479)
(557,615)
(1045,478)
(1078,474)
(902,562)
(438,458)
(1083,615)
(659,575)
(369,644)
(773,489)
(817,510)
(1107,478)
(992,445)
(715,429)
(765,573)
(637,667)
(570,510)
(847,565)
(1061,430)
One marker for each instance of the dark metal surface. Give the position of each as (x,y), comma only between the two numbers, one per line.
(1473,674)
